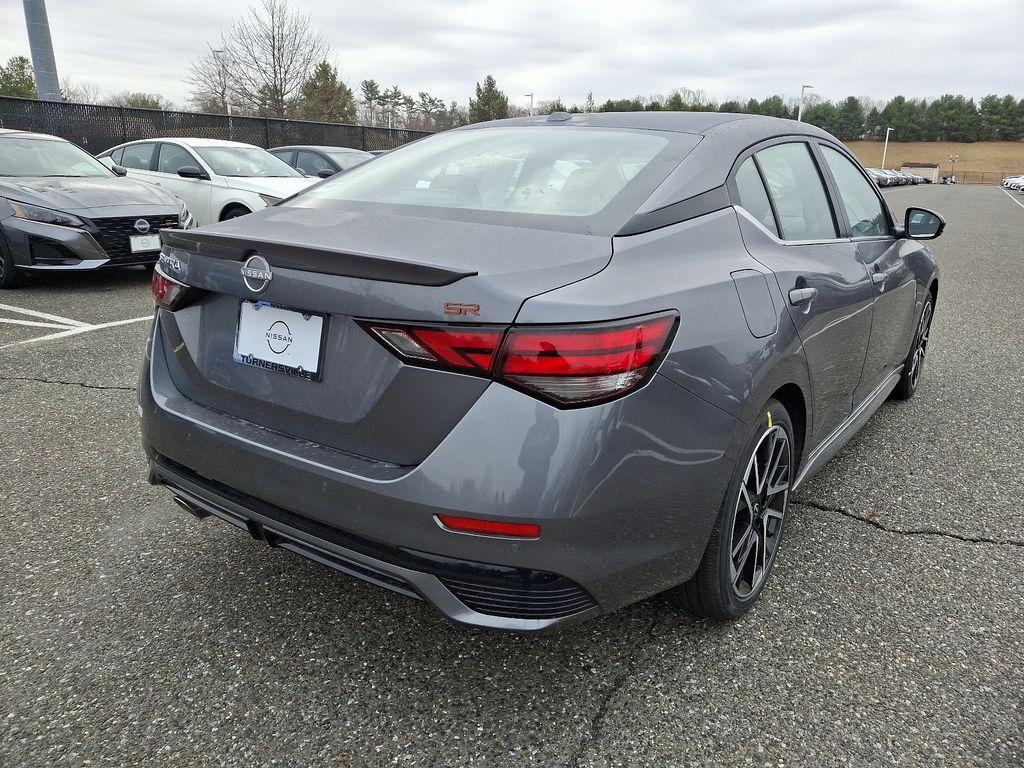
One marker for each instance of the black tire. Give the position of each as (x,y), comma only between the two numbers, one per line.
(913,366)
(234,212)
(713,592)
(10,275)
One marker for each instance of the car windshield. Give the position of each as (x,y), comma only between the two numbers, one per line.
(574,172)
(346,160)
(47,157)
(245,162)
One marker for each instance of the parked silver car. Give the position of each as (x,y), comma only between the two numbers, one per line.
(534,370)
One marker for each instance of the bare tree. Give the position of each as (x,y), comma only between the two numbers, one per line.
(79,91)
(210,82)
(269,54)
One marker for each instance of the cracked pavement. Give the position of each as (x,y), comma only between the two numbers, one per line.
(890,634)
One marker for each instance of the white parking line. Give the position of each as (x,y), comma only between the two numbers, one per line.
(33,313)
(1018,202)
(33,323)
(76,331)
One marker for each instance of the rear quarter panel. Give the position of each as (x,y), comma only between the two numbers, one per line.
(689,267)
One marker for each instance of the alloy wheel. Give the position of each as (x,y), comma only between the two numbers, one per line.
(917,361)
(760,511)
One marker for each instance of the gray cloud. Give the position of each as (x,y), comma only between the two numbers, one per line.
(563,49)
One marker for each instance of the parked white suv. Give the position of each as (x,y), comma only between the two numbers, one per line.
(216,179)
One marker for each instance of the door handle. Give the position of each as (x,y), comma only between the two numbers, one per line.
(878,278)
(799,296)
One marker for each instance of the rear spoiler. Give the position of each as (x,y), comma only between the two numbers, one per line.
(305,258)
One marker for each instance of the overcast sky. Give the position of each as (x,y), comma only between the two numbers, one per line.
(556,48)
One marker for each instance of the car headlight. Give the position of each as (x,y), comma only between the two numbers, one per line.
(270,199)
(44,215)
(185,218)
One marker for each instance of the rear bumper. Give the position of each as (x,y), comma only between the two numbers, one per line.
(626,494)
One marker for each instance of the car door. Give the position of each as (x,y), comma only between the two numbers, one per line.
(871,230)
(195,192)
(822,282)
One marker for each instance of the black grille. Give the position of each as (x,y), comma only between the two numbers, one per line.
(114,233)
(559,597)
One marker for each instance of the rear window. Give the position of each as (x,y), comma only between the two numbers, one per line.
(560,173)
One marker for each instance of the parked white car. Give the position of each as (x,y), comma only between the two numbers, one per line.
(216,179)
(1014,182)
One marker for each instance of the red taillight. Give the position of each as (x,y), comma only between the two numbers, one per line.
(168,294)
(489,527)
(469,349)
(567,365)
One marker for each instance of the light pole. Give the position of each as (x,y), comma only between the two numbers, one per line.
(800,109)
(885,149)
(952,167)
(531,102)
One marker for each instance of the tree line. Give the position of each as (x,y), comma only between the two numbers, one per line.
(273,62)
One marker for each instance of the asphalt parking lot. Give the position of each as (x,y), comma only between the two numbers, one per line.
(891,634)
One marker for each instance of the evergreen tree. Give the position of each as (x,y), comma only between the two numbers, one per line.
(730,106)
(489,104)
(850,120)
(588,105)
(326,98)
(16,79)
(773,106)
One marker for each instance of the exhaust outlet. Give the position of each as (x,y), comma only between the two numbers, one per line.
(191,508)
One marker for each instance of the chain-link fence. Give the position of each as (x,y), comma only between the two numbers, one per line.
(96,127)
(982,177)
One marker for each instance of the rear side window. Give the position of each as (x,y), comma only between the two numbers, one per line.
(863,208)
(138,156)
(752,195)
(798,192)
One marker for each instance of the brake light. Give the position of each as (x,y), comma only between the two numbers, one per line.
(567,365)
(572,365)
(489,527)
(169,294)
(468,349)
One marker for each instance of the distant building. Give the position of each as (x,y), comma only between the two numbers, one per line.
(928,170)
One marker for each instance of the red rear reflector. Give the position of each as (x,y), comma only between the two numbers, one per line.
(489,527)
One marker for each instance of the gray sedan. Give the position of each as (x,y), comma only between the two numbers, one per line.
(538,369)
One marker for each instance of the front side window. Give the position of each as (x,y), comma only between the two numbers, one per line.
(518,170)
(798,192)
(173,158)
(139,156)
(245,162)
(311,163)
(863,208)
(752,194)
(29,157)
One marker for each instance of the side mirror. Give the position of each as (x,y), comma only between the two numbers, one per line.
(325,173)
(191,172)
(119,170)
(922,224)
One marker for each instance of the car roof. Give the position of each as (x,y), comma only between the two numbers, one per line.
(193,142)
(321,148)
(14,133)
